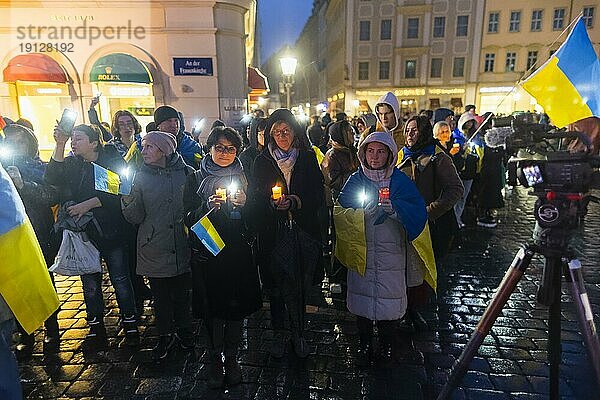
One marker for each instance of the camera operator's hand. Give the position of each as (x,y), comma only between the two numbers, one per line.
(15,175)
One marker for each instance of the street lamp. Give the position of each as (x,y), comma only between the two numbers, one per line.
(288,67)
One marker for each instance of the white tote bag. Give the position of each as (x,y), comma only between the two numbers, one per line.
(76,256)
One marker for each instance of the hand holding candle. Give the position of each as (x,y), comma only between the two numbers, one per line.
(276,192)
(222,193)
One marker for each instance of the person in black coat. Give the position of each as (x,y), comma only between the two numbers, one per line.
(74,176)
(288,163)
(27,172)
(257,144)
(230,279)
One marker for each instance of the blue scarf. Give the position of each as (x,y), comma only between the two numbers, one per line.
(428,150)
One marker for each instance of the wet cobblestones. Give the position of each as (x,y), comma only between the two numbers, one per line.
(511,363)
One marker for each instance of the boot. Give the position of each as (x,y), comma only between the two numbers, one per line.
(132,335)
(161,350)
(301,347)
(278,344)
(25,347)
(233,372)
(97,330)
(216,375)
(52,335)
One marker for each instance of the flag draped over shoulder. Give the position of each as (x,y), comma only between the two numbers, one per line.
(409,205)
(568,84)
(25,282)
(350,241)
(208,235)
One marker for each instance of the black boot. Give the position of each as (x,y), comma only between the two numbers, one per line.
(52,335)
(161,350)
(216,374)
(132,335)
(233,372)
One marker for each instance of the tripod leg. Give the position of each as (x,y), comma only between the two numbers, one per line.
(507,286)
(553,269)
(584,314)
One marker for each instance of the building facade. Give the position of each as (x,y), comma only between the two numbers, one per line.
(192,55)
(518,37)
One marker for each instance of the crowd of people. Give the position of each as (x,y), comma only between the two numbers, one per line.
(279,196)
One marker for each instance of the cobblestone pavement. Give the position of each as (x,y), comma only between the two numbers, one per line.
(510,365)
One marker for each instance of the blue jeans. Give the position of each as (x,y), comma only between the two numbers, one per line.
(10,384)
(118,270)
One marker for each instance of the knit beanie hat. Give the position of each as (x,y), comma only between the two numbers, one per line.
(164,113)
(166,142)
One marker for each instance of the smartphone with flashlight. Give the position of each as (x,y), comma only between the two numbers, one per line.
(67,121)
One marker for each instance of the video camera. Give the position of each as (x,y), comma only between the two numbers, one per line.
(560,179)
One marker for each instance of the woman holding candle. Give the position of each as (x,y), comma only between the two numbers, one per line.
(229,281)
(393,214)
(288,184)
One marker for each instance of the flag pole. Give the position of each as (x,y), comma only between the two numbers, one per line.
(573,22)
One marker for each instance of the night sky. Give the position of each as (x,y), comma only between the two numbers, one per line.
(281,22)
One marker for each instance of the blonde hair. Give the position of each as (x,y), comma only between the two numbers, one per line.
(438,127)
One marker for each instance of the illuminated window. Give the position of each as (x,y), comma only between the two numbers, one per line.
(410,69)
(511,60)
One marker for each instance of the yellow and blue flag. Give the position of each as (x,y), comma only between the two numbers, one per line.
(408,204)
(108,181)
(25,282)
(568,84)
(208,235)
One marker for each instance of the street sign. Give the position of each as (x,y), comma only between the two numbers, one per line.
(193,66)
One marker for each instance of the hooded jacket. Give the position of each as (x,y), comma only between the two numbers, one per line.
(397,131)
(440,114)
(157,207)
(381,293)
(340,161)
(249,154)
(475,146)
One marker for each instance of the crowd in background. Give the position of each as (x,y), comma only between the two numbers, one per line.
(279,194)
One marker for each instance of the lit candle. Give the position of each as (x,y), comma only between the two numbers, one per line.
(276,192)
(222,193)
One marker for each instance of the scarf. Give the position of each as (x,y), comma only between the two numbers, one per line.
(285,160)
(215,176)
(428,150)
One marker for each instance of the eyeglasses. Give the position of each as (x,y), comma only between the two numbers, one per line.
(225,149)
(285,132)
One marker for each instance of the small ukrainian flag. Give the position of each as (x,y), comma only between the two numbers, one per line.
(208,235)
(108,181)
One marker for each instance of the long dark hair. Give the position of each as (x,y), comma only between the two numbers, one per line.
(114,129)
(425,132)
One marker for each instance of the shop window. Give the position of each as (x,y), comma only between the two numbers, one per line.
(412,30)
(536,20)
(385,29)
(559,19)
(408,107)
(462,25)
(436,68)
(434,103)
(439,27)
(493,21)
(457,105)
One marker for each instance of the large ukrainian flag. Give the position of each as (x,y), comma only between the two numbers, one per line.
(568,84)
(24,279)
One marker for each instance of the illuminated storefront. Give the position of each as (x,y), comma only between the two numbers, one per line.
(504,100)
(39,90)
(125,83)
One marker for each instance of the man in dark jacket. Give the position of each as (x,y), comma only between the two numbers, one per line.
(167,120)
(27,172)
